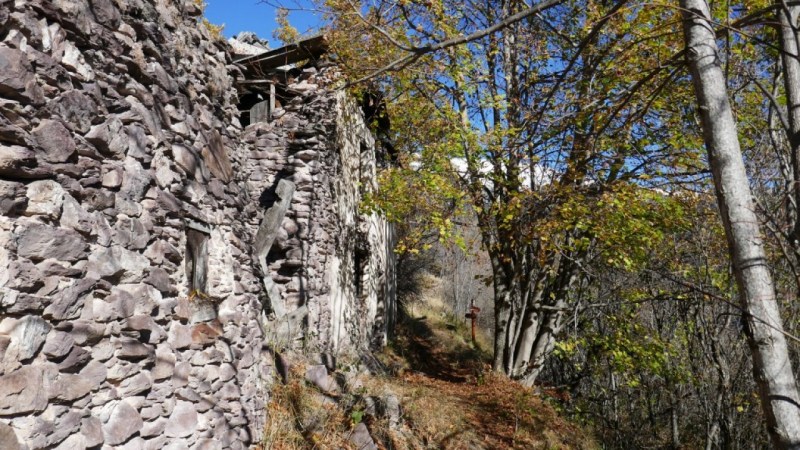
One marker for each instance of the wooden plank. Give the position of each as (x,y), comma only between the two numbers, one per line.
(257,82)
(197,259)
(271,101)
(265,236)
(260,112)
(312,47)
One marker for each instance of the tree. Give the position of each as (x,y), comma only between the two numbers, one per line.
(771,365)
(548,125)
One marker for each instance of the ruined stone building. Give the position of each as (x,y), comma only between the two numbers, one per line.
(172,215)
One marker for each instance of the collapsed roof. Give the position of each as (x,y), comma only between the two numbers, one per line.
(311,48)
(265,73)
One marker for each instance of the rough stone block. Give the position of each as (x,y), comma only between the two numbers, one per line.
(74,216)
(76,108)
(37,242)
(122,423)
(318,376)
(27,334)
(179,336)
(16,76)
(135,385)
(182,421)
(8,438)
(57,344)
(84,332)
(68,303)
(92,431)
(69,387)
(74,442)
(117,263)
(55,141)
(165,363)
(45,197)
(22,391)
(132,349)
(12,196)
(75,359)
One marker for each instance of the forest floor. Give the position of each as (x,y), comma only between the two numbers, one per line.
(449,397)
(453,400)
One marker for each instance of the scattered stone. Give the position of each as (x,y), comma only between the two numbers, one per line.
(361,438)
(318,376)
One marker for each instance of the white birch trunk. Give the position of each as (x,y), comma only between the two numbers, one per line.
(771,365)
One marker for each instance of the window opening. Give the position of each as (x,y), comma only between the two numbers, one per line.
(196,260)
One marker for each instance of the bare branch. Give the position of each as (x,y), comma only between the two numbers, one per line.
(418,52)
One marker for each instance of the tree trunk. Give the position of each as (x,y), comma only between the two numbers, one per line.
(502,315)
(787,19)
(771,365)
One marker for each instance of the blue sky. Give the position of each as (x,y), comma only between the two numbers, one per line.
(259,17)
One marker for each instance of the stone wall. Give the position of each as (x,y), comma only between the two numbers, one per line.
(132,303)
(331,263)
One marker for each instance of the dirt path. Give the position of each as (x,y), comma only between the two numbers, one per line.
(453,401)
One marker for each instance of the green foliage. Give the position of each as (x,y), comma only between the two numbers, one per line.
(214,30)
(356,417)
(285,32)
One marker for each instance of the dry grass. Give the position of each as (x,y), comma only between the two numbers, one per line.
(452,400)
(300,417)
(449,397)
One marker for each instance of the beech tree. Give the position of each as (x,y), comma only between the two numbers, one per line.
(772,367)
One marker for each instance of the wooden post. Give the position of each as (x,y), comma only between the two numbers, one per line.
(271,101)
(473,316)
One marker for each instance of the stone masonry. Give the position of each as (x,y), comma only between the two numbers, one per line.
(155,255)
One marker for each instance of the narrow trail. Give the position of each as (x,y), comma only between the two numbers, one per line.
(452,387)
